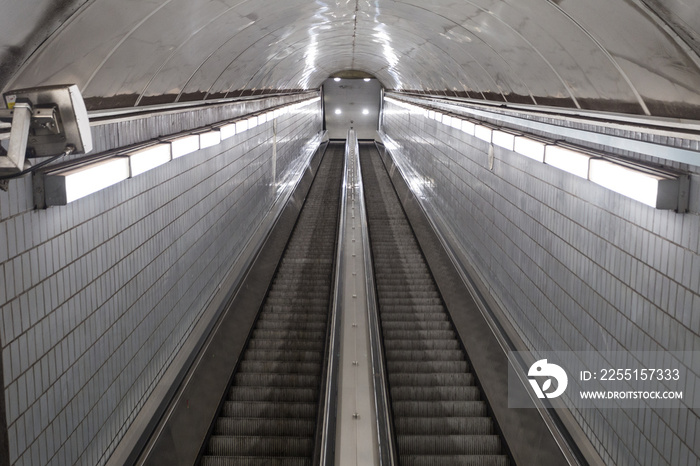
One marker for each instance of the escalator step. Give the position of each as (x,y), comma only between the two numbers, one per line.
(295,316)
(286,355)
(255,461)
(436,393)
(408,300)
(454,460)
(425,367)
(276,380)
(292,334)
(425,355)
(414,316)
(268,409)
(282,344)
(222,445)
(428,380)
(270,426)
(422,308)
(449,444)
(291,325)
(440,409)
(445,425)
(279,367)
(421,345)
(287,307)
(417,325)
(278,394)
(419,334)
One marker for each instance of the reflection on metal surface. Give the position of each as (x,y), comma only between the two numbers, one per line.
(635,56)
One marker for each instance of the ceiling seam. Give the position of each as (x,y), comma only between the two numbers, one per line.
(119,44)
(605,51)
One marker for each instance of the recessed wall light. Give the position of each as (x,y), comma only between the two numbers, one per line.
(338,111)
(365,111)
(367,80)
(336,79)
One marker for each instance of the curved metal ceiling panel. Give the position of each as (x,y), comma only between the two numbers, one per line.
(636,56)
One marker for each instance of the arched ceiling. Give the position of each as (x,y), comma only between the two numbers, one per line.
(629,56)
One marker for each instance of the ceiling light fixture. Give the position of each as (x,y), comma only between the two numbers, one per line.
(531,148)
(184,145)
(68,185)
(649,187)
(148,158)
(571,161)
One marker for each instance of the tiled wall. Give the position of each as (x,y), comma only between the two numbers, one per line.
(96,297)
(574,267)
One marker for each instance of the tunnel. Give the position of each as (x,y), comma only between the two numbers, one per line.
(368,232)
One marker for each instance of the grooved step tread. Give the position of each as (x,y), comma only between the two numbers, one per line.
(268,409)
(223,445)
(274,426)
(450,444)
(425,355)
(255,461)
(444,425)
(277,394)
(454,460)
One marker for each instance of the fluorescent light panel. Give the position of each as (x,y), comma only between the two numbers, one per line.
(88,179)
(568,160)
(648,188)
(530,148)
(209,139)
(227,131)
(503,139)
(483,132)
(468,127)
(184,145)
(148,158)
(241,126)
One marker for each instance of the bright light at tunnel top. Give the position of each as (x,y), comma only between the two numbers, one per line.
(365,111)
(367,80)
(338,111)
(336,79)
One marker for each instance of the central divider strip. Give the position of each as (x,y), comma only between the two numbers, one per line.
(356,421)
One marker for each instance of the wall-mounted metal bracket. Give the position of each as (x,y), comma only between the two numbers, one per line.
(45,120)
(20,116)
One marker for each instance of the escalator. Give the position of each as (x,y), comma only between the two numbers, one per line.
(440,416)
(270,412)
